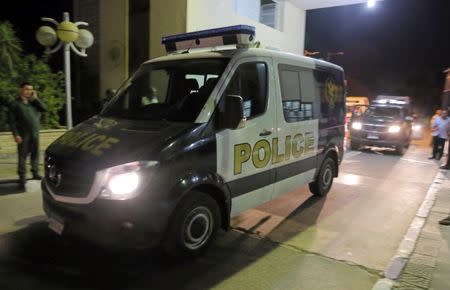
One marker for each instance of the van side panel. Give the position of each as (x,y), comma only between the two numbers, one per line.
(297,124)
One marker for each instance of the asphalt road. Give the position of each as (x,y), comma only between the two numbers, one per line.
(341,241)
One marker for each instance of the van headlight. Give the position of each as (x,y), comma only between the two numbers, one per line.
(123,181)
(417,127)
(357,125)
(394,129)
(123,184)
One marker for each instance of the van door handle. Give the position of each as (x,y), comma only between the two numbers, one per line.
(265,133)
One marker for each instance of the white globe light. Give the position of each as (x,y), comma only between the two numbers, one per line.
(85,39)
(67,31)
(46,36)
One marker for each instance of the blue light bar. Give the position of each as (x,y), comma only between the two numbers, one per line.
(237,34)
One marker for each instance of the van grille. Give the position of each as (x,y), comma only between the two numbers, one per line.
(65,179)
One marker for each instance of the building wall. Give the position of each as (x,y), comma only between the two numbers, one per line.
(85,71)
(205,14)
(167,17)
(113,40)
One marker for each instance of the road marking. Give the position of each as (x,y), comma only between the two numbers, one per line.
(351,154)
(417,161)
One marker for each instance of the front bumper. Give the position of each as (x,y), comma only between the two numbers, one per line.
(381,140)
(136,223)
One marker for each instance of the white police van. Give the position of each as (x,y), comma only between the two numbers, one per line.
(193,138)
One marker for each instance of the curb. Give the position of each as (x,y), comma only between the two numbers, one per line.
(407,245)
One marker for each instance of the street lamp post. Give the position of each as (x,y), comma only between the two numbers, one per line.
(71,37)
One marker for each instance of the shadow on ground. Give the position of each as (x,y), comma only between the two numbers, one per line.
(36,258)
(9,186)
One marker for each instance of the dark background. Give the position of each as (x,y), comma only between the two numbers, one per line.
(25,16)
(399,47)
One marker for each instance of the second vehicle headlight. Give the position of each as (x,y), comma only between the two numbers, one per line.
(394,129)
(357,125)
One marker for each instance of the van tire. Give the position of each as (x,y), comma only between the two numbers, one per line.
(193,225)
(321,186)
(400,149)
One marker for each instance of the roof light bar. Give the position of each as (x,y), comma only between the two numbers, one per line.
(397,100)
(239,35)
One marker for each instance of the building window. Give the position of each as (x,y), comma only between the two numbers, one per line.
(267,12)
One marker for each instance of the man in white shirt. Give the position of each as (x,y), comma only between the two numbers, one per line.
(440,124)
(447,130)
(434,134)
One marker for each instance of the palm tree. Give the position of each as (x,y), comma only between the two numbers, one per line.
(10,47)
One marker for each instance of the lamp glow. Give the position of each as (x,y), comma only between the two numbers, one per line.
(357,125)
(394,129)
(371,3)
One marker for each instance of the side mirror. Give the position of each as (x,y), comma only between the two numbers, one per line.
(231,113)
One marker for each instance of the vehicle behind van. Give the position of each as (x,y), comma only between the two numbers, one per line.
(194,138)
(386,123)
(355,106)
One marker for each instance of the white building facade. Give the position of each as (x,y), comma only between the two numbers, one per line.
(129,32)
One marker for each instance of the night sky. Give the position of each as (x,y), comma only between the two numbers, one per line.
(399,47)
(25,16)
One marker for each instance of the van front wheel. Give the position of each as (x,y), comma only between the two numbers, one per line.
(193,226)
(321,186)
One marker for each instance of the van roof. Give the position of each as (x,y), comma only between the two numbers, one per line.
(229,53)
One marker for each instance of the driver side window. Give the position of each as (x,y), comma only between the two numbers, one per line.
(250,82)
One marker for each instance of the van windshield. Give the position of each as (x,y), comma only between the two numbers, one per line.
(167,91)
(385,112)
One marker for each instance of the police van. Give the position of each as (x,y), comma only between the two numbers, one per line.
(194,138)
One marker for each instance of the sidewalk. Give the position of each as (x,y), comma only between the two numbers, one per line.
(428,267)
(18,210)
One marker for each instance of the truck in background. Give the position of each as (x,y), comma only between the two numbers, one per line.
(386,123)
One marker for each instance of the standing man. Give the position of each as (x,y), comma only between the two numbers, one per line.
(440,124)
(446,221)
(447,165)
(434,134)
(24,123)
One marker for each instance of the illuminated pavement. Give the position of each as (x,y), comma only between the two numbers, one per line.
(342,241)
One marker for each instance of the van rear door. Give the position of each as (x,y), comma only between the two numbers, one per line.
(297,127)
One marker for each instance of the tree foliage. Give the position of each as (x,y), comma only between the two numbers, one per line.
(16,68)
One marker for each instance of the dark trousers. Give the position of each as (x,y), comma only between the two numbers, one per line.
(435,146)
(448,155)
(440,143)
(29,145)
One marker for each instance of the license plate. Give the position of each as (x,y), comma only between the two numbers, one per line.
(56,225)
(372,136)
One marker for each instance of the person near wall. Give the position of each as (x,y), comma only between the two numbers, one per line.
(24,115)
(440,125)
(434,134)
(447,164)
